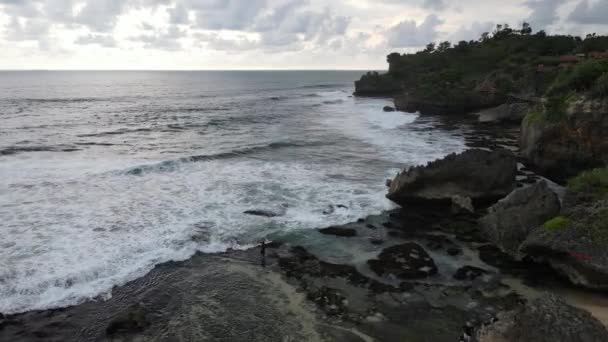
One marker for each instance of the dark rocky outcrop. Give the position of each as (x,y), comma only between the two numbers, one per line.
(480,175)
(575,245)
(469,273)
(510,221)
(406,261)
(560,149)
(455,106)
(375,84)
(388,109)
(508,113)
(547,319)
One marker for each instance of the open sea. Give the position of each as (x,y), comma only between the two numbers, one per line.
(104,175)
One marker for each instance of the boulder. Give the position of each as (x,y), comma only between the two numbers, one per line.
(469,273)
(480,175)
(508,112)
(546,319)
(388,109)
(461,204)
(560,149)
(510,221)
(575,244)
(406,261)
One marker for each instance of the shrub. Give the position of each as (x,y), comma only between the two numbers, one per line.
(533,116)
(593,182)
(600,88)
(557,106)
(556,223)
(581,78)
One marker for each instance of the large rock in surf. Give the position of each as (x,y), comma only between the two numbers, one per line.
(477,174)
(510,221)
(561,148)
(546,319)
(575,244)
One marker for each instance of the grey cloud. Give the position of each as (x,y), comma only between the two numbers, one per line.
(162,40)
(472,32)
(408,34)
(434,4)
(214,42)
(227,14)
(544,12)
(98,39)
(590,13)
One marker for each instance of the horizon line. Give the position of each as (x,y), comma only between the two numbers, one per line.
(185,70)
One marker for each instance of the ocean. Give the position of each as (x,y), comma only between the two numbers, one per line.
(104,175)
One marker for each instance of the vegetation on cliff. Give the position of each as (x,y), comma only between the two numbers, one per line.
(499,65)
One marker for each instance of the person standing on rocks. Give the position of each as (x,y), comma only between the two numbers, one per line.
(263,252)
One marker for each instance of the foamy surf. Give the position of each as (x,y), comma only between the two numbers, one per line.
(77,223)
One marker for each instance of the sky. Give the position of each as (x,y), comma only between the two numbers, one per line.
(261,34)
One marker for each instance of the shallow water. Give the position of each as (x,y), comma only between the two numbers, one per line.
(106,174)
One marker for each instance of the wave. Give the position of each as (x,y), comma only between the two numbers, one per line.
(324,86)
(12,150)
(117,132)
(173,165)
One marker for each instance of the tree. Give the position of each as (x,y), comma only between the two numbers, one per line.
(430,47)
(541,34)
(485,37)
(526,29)
(444,46)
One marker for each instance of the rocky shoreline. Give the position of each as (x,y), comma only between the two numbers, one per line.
(429,271)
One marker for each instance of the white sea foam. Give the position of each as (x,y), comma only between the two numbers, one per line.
(76,224)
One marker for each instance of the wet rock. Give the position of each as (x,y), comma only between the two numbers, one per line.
(509,221)
(370,226)
(560,150)
(263,213)
(462,204)
(376,241)
(508,112)
(339,231)
(469,273)
(133,320)
(575,245)
(547,319)
(388,109)
(388,183)
(300,262)
(454,251)
(480,175)
(406,261)
(330,300)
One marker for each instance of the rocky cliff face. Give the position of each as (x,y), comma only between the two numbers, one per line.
(561,149)
(375,84)
(477,174)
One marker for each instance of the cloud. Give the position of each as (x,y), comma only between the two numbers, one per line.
(472,32)
(98,39)
(168,40)
(437,5)
(408,34)
(590,13)
(544,12)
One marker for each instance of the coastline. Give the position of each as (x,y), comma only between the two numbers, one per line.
(322,292)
